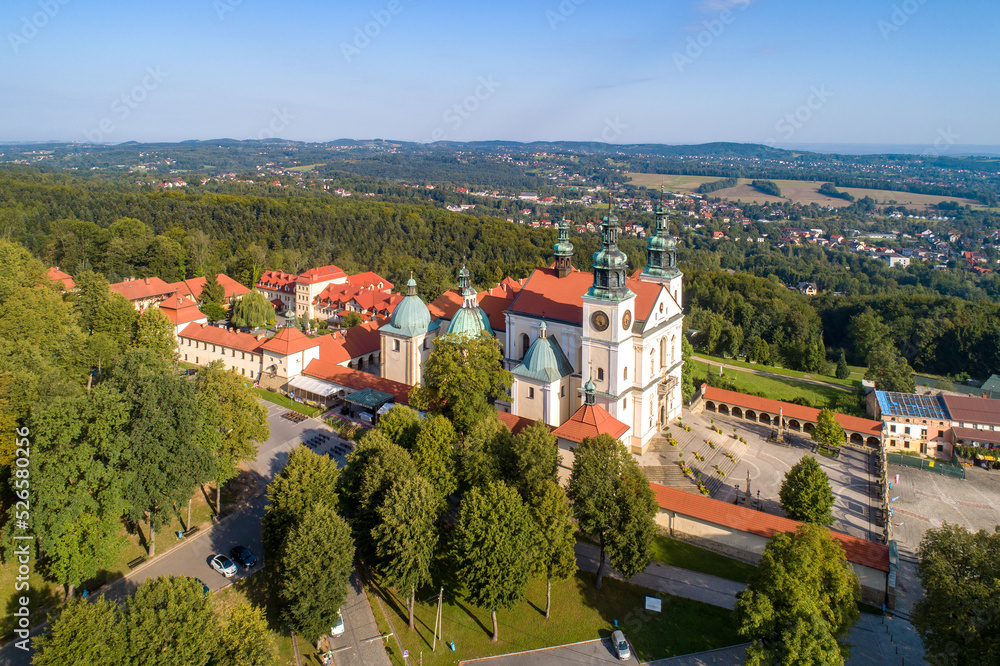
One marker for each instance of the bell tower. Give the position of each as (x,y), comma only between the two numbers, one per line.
(563,250)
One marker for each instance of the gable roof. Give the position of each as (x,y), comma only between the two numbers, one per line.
(969,409)
(356,379)
(790,410)
(214,335)
(859,551)
(353,342)
(321,274)
(57,275)
(137,290)
(590,421)
(180,310)
(192,286)
(513,422)
(289,341)
(370,280)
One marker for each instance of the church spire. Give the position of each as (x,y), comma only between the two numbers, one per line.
(661,248)
(610,263)
(564,250)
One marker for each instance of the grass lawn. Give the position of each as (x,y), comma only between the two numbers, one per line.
(778,388)
(852,382)
(579,613)
(684,555)
(284,401)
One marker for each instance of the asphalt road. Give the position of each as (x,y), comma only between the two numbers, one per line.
(598,651)
(360,644)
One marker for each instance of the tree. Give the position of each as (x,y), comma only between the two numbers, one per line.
(233,425)
(80,628)
(314,570)
(245,640)
(491,548)
(958,617)
(553,553)
(155,332)
(867,331)
(535,457)
(212,291)
(307,480)
(434,455)
(117,318)
(461,376)
(889,370)
(805,493)
(612,501)
(758,350)
(90,294)
(687,370)
(843,371)
(401,425)
(406,537)
(801,602)
(252,311)
(485,453)
(169,621)
(213,311)
(350,320)
(828,432)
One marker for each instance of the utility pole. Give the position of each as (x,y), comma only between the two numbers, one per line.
(437,619)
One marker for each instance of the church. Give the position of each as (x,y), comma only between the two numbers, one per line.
(590,353)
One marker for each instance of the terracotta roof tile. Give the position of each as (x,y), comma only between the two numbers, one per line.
(321,274)
(289,341)
(180,310)
(590,421)
(192,287)
(514,423)
(859,551)
(790,410)
(219,336)
(356,379)
(137,290)
(57,275)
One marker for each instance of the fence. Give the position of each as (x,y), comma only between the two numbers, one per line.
(953,469)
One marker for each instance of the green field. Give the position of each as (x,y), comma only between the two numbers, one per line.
(284,401)
(579,613)
(852,382)
(777,388)
(684,555)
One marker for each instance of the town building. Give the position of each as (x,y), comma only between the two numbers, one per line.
(933,424)
(144,292)
(328,293)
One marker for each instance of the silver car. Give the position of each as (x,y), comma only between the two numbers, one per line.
(224,565)
(621,645)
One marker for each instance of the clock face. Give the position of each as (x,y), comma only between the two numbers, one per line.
(599,321)
(626,320)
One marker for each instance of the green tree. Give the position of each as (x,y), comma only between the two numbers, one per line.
(612,501)
(553,553)
(758,350)
(80,628)
(234,423)
(828,431)
(212,291)
(958,617)
(170,620)
(245,639)
(687,370)
(406,537)
(350,320)
(155,332)
(213,311)
(843,371)
(314,570)
(485,453)
(805,493)
(889,370)
(307,480)
(867,332)
(401,425)
(434,455)
(116,318)
(535,458)
(801,602)
(461,377)
(90,294)
(491,548)
(252,311)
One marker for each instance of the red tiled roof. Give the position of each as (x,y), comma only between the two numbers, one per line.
(493,302)
(219,336)
(547,295)
(356,341)
(277,280)
(977,435)
(321,274)
(136,290)
(57,275)
(289,341)
(969,409)
(859,551)
(446,305)
(192,287)
(370,280)
(790,410)
(355,379)
(180,310)
(590,421)
(514,423)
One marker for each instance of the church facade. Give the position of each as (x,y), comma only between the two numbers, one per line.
(562,330)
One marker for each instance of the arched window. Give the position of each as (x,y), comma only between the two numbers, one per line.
(652,362)
(673,349)
(626,372)
(525,343)
(600,374)
(663,352)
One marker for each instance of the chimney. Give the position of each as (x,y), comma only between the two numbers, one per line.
(147,280)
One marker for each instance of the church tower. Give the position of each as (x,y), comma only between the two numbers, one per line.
(563,250)
(406,339)
(470,320)
(661,257)
(608,315)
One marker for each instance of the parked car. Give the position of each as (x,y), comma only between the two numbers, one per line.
(243,557)
(224,565)
(621,645)
(338,626)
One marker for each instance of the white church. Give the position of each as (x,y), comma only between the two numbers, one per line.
(590,352)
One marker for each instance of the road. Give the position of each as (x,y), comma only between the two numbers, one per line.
(597,651)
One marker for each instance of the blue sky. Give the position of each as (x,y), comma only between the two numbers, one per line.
(674,71)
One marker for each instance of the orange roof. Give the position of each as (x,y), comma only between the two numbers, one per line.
(57,275)
(321,274)
(547,295)
(180,310)
(136,290)
(214,335)
(356,379)
(590,421)
(356,341)
(790,410)
(859,551)
(192,287)
(289,341)
(514,423)
(277,280)
(493,302)
(370,280)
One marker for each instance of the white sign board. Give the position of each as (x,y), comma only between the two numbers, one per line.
(654,604)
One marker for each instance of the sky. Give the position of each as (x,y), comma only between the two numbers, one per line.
(915,72)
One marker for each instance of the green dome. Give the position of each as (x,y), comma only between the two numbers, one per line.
(470,321)
(411,317)
(545,360)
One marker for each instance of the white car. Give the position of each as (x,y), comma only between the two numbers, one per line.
(224,565)
(338,627)
(621,645)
